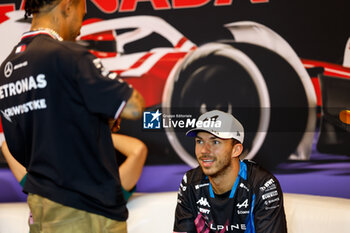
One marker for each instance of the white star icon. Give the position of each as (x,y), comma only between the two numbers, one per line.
(155,115)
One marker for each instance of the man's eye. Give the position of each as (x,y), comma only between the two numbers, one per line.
(216,142)
(198,141)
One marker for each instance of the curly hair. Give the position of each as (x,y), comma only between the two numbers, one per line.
(33,6)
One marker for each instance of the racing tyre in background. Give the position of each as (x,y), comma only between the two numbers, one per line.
(253,83)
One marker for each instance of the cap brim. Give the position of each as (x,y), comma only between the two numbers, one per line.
(194,132)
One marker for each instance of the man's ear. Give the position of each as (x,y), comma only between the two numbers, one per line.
(237,150)
(65,6)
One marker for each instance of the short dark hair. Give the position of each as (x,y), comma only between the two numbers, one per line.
(235,141)
(34,6)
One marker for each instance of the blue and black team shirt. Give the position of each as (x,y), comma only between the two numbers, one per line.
(255,203)
(55,101)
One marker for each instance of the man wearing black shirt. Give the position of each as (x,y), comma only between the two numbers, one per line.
(55,102)
(225,194)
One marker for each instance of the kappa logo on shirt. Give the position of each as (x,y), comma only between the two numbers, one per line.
(203,202)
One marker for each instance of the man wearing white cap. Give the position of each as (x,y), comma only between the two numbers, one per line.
(226,194)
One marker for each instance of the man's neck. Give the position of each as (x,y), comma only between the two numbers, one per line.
(224,181)
(49,17)
(44,21)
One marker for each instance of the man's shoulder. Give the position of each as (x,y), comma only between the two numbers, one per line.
(50,49)
(70,53)
(253,167)
(194,176)
(73,48)
(256,174)
(66,48)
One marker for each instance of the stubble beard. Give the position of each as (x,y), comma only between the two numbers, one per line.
(219,169)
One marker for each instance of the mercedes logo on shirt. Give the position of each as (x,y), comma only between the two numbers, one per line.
(8,69)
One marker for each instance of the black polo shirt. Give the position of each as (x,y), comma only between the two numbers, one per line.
(55,99)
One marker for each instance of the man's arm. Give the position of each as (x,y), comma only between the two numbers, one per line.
(136,153)
(184,217)
(17,169)
(269,215)
(134,106)
(104,93)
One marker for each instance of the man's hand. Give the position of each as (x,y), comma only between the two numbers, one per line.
(134,107)
(114,125)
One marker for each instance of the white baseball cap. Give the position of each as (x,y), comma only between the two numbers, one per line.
(220,124)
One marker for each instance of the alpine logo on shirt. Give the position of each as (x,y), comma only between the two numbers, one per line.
(227,228)
(243,208)
(244,204)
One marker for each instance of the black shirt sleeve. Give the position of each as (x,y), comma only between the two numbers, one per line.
(102,92)
(184,217)
(269,215)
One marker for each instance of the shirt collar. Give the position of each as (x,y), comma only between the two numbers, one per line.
(242,170)
(241,174)
(43,31)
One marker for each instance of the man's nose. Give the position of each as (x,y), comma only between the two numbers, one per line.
(205,149)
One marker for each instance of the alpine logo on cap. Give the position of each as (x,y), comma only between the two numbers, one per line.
(213,118)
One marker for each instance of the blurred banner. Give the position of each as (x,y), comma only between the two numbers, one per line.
(257,59)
